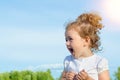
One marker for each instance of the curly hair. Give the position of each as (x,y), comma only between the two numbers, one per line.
(88,25)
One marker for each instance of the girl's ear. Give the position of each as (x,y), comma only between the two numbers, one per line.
(87,40)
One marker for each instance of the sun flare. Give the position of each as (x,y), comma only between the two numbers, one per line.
(112,9)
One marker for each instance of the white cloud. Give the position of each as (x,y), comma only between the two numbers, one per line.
(56,69)
(57,66)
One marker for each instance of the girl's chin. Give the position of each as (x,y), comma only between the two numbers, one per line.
(74,55)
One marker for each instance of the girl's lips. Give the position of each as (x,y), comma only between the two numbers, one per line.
(71,50)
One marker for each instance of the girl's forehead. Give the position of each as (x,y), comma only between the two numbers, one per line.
(71,32)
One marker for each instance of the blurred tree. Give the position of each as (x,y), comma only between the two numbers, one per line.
(26,75)
(34,76)
(6,76)
(15,75)
(117,74)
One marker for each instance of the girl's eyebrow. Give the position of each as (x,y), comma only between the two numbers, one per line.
(69,36)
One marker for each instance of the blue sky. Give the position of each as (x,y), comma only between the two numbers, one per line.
(32,31)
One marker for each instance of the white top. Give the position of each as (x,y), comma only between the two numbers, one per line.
(93,65)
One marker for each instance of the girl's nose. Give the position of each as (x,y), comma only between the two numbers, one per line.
(67,43)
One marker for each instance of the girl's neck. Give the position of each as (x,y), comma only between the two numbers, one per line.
(86,54)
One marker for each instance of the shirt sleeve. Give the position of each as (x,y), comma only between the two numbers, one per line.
(66,63)
(103,65)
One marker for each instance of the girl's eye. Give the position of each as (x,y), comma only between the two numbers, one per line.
(66,40)
(70,39)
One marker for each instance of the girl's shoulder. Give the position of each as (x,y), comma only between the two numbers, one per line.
(100,58)
(102,63)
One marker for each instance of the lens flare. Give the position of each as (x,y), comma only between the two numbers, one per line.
(112,9)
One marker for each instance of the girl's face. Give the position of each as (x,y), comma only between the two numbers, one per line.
(75,44)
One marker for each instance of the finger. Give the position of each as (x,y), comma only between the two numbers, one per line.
(82,70)
(83,74)
(79,77)
(70,76)
(72,73)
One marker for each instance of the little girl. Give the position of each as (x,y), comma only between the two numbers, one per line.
(82,40)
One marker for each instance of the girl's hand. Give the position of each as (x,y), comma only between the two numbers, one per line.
(63,76)
(70,76)
(82,75)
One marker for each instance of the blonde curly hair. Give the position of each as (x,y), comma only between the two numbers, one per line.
(88,25)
